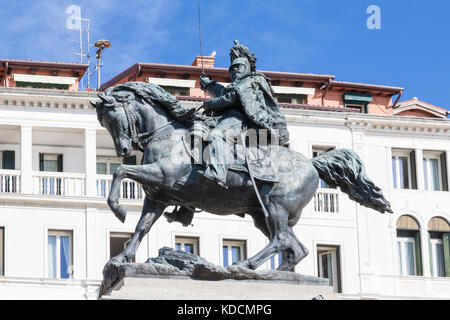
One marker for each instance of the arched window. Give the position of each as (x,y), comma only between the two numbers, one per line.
(439,234)
(408,246)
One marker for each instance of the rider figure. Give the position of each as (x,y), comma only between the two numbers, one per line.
(248,101)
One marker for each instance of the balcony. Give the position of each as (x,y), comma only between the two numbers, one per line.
(326,200)
(59,184)
(9,181)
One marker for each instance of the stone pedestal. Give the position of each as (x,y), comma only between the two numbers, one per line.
(176,275)
(180,288)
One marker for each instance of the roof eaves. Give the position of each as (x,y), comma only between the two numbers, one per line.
(365,86)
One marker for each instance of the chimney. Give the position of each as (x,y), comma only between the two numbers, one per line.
(208,62)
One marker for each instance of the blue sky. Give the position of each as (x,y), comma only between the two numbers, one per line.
(317,36)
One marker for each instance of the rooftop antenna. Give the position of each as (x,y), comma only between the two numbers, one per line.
(75,22)
(101,45)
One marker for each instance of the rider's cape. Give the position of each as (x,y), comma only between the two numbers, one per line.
(256,97)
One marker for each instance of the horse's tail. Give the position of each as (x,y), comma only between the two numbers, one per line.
(343,168)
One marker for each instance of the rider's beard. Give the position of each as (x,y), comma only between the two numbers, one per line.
(236,76)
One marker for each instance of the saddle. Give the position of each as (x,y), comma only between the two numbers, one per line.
(259,162)
(258,157)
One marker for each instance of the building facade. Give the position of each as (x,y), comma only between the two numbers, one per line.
(57,232)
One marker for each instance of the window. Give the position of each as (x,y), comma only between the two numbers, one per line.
(8,182)
(176,91)
(118,242)
(360,107)
(290,98)
(406,255)
(2,251)
(51,162)
(233,251)
(356,100)
(408,247)
(404,169)
(317,151)
(187,244)
(325,200)
(276,260)
(431,168)
(59,246)
(435,171)
(40,85)
(328,262)
(437,257)
(106,165)
(439,237)
(7,160)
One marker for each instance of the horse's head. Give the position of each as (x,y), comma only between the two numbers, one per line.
(112,116)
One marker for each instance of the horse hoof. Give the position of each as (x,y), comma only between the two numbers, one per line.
(121,213)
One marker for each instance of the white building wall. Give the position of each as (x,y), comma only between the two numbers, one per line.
(367,239)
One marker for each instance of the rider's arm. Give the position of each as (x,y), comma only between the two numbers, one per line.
(215,89)
(221,103)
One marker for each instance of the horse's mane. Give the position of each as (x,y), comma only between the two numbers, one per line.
(149,93)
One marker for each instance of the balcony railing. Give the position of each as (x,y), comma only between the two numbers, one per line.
(67,184)
(58,183)
(326,200)
(9,181)
(129,189)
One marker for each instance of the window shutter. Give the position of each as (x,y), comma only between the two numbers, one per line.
(41,162)
(418,254)
(9,160)
(60,163)
(412,158)
(446,245)
(444,171)
(130,160)
(430,253)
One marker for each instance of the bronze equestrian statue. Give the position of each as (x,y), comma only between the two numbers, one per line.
(143,116)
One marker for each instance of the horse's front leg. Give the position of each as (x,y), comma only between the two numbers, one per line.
(150,213)
(147,174)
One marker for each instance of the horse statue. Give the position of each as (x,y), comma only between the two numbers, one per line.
(167,175)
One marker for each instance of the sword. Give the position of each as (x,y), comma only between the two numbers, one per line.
(201,47)
(200,32)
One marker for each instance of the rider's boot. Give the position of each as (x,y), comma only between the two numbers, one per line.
(182,215)
(209,177)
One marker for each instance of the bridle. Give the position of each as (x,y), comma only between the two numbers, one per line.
(140,140)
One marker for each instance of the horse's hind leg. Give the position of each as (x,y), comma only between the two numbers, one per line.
(293,254)
(277,230)
(151,211)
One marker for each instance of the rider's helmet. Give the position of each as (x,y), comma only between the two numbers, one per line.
(241,51)
(237,61)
